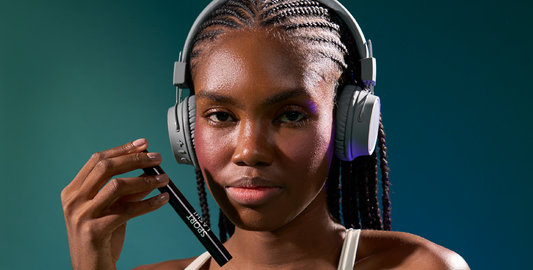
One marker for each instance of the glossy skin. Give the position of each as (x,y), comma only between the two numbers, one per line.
(240,134)
(96,211)
(277,133)
(264,143)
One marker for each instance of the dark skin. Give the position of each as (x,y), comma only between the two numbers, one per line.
(264,143)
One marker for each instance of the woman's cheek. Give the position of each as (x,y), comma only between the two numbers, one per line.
(312,147)
(212,146)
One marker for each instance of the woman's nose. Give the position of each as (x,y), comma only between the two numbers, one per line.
(253,145)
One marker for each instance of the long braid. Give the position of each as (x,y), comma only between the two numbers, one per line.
(347,188)
(225,226)
(222,227)
(203,197)
(230,227)
(362,191)
(384,165)
(372,172)
(332,189)
(354,194)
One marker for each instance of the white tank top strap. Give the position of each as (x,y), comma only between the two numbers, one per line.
(346,261)
(199,262)
(349,249)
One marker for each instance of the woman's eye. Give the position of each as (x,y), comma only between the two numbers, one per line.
(291,117)
(220,117)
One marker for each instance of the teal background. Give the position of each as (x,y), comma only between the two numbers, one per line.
(78,77)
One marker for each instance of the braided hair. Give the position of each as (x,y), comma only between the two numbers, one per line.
(351,186)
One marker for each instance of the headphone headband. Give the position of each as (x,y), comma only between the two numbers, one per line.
(368,62)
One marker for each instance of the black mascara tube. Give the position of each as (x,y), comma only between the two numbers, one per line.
(193,220)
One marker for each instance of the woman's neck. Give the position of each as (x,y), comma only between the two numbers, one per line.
(311,241)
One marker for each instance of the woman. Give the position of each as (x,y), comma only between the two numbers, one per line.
(266,77)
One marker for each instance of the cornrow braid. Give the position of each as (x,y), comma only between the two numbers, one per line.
(325,40)
(237,14)
(288,5)
(334,58)
(352,57)
(327,25)
(219,22)
(243,9)
(296,11)
(203,197)
(306,19)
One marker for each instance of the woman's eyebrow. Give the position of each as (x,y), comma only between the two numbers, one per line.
(285,95)
(219,98)
(276,98)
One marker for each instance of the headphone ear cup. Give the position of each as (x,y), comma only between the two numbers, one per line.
(357,123)
(181,119)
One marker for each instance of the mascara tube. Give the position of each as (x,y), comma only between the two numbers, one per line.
(193,220)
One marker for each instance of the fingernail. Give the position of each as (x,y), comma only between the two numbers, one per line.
(139,142)
(162,197)
(161,178)
(154,156)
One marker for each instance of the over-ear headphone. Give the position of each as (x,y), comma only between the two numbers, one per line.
(357,115)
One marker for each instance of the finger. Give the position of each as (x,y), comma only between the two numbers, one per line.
(122,190)
(107,168)
(120,215)
(131,147)
(134,197)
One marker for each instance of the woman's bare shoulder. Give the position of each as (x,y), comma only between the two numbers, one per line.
(173,264)
(398,250)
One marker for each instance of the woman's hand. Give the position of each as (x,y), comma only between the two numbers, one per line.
(96,213)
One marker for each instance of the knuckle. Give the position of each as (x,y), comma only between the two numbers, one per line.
(64,195)
(87,228)
(149,180)
(69,204)
(75,214)
(104,165)
(153,202)
(138,157)
(125,148)
(68,207)
(97,156)
(116,184)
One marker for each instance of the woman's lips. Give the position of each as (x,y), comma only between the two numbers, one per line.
(252,195)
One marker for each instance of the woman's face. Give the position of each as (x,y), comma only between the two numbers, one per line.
(264,126)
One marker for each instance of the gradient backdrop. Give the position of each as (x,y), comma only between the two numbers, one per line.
(78,77)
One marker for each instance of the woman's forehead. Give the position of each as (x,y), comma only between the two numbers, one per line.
(255,59)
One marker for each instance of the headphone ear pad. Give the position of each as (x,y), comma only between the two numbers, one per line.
(192,120)
(344,112)
(357,123)
(181,120)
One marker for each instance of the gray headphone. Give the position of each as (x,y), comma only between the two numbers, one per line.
(357,116)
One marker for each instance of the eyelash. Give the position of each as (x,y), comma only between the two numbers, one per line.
(303,117)
(212,114)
